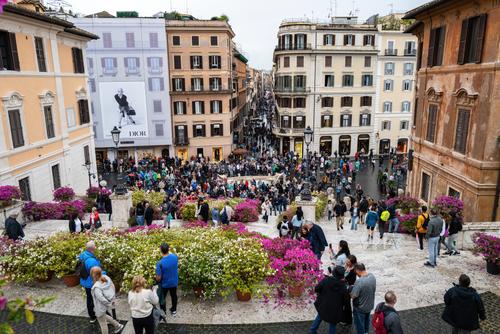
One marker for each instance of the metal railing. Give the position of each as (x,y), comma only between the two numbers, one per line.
(391,52)
(182,141)
(412,52)
(293,47)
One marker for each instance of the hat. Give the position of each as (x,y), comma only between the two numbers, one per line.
(338,272)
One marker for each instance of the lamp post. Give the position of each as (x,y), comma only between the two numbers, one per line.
(305,194)
(115,135)
(88,165)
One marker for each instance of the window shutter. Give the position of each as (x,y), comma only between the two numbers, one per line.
(148,60)
(138,62)
(150,84)
(324,39)
(430,54)
(353,39)
(162,85)
(373,40)
(365,39)
(305,41)
(173,84)
(14,54)
(201,61)
(480,37)
(103,63)
(125,61)
(221,129)
(202,103)
(183,84)
(73,55)
(115,62)
(463,40)
(191,59)
(462,130)
(345,39)
(440,50)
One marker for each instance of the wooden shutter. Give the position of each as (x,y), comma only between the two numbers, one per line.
(373,40)
(431,123)
(201,62)
(305,41)
(193,108)
(324,39)
(183,84)
(202,107)
(16,128)
(125,61)
(191,59)
(480,37)
(40,54)
(150,84)
(177,62)
(463,41)
(162,85)
(353,39)
(462,130)
(440,50)
(115,63)
(430,53)
(138,62)
(345,39)
(221,129)
(13,52)
(365,39)
(148,61)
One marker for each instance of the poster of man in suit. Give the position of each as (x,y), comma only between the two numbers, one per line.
(123,104)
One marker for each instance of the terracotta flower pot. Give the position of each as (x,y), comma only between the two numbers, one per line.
(198,292)
(71,280)
(243,296)
(296,291)
(50,274)
(492,268)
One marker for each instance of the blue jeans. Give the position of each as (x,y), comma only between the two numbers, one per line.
(433,245)
(361,321)
(139,220)
(332,329)
(354,223)
(393,222)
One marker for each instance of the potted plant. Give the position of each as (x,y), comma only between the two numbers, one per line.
(8,194)
(63,194)
(488,246)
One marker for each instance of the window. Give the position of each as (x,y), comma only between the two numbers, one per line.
(9,59)
(198,107)
(300,41)
(431,123)
(16,128)
(299,122)
(196,84)
(159,129)
(286,62)
(386,125)
(299,102)
(364,120)
(300,82)
(328,61)
(471,39)
(49,122)
(24,186)
(388,85)
(328,39)
(326,121)
(345,120)
(408,69)
(155,64)
(216,107)
(404,125)
(327,102)
(453,192)
(347,80)
(56,176)
(365,101)
(198,130)
(214,62)
(329,80)
(405,106)
(300,61)
(109,65)
(369,40)
(436,47)
(368,61)
(214,41)
(132,64)
(216,129)
(83,111)
(86,154)
(346,101)
(349,40)
(156,84)
(287,82)
(195,40)
(92,85)
(425,188)
(130,39)
(410,48)
(348,61)
(196,62)
(40,54)
(181,134)
(285,102)
(215,84)
(179,108)
(153,39)
(179,84)
(462,130)
(78,65)
(387,106)
(285,122)
(157,108)
(176,40)
(406,85)
(389,68)
(287,42)
(367,80)
(106,40)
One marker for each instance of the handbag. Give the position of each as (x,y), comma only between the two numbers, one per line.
(131,112)
(98,223)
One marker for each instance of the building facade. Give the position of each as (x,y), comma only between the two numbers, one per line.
(128,81)
(243,95)
(455,139)
(202,96)
(45,122)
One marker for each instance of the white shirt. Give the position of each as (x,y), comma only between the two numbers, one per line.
(141,303)
(78,225)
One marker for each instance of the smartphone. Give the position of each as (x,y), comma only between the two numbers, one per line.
(330,245)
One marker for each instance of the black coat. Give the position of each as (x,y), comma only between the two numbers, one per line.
(72,226)
(332,299)
(107,205)
(204,211)
(13,229)
(317,239)
(462,308)
(148,214)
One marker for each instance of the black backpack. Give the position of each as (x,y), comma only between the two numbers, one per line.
(426,221)
(80,269)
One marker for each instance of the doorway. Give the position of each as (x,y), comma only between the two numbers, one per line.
(216,153)
(182,154)
(298,147)
(325,146)
(345,145)
(384,146)
(363,144)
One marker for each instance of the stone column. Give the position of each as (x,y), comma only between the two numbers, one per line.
(309,208)
(121,206)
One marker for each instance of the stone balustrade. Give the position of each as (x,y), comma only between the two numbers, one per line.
(464,240)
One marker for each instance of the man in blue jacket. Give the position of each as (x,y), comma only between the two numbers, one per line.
(89,260)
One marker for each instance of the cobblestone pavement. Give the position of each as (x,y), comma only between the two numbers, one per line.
(424,320)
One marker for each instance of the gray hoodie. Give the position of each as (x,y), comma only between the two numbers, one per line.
(103,295)
(435,227)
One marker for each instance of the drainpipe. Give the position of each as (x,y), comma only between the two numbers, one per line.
(497,193)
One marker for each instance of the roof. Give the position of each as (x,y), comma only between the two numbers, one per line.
(413,26)
(102,14)
(68,26)
(425,7)
(31,2)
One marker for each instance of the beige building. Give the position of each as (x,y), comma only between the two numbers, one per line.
(45,122)
(200,54)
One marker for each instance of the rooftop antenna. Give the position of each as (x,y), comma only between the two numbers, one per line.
(392,8)
(187,8)
(330,10)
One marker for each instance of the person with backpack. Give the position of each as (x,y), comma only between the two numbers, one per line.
(433,234)
(384,216)
(371,220)
(386,319)
(285,227)
(454,228)
(421,229)
(103,295)
(87,261)
(363,298)
(393,219)
(226,213)
(297,222)
(215,216)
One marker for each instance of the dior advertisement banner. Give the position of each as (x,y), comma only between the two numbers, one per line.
(123,104)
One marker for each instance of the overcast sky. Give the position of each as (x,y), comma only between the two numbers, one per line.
(255,22)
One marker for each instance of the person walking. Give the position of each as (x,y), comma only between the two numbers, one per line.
(266,209)
(103,295)
(339,217)
(383,217)
(371,220)
(393,219)
(391,322)
(215,216)
(463,307)
(354,216)
(433,234)
(363,295)
(108,206)
(139,214)
(148,213)
(316,238)
(167,275)
(142,302)
(13,228)
(331,302)
(421,229)
(329,208)
(75,224)
(454,228)
(297,222)
(363,209)
(89,261)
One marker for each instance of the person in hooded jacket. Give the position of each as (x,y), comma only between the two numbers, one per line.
(392,322)
(463,307)
(332,299)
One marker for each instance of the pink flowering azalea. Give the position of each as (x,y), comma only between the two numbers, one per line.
(64,194)
(2,3)
(247,211)
(3,300)
(8,193)
(487,245)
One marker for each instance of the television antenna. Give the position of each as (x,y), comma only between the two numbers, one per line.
(57,4)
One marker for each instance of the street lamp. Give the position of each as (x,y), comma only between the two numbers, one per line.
(115,135)
(305,194)
(88,165)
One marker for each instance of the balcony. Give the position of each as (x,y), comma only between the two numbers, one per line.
(412,52)
(282,131)
(203,90)
(296,90)
(391,52)
(293,47)
(181,141)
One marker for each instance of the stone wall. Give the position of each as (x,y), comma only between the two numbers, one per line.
(464,240)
